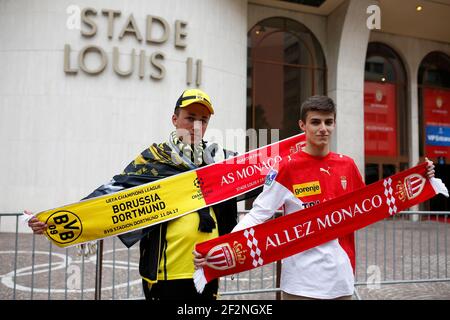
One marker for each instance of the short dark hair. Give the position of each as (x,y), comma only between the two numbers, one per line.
(317,103)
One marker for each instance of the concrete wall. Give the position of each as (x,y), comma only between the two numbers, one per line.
(63,135)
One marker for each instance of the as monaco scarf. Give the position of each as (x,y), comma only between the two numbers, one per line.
(285,236)
(165,199)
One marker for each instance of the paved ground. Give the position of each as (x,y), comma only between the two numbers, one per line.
(393,250)
(416,291)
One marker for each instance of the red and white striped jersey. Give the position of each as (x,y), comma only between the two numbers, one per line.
(326,271)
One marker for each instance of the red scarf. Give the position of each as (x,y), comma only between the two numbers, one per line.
(293,233)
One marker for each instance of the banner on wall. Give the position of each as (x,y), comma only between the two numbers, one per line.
(380,119)
(436,104)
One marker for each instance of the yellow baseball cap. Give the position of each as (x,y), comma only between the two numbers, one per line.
(191,96)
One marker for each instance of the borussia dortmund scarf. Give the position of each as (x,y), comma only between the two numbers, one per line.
(161,161)
(156,188)
(285,236)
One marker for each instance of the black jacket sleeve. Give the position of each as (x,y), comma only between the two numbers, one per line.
(226,215)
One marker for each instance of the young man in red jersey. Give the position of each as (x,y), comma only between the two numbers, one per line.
(313,175)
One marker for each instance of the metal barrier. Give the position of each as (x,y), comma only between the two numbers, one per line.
(411,247)
(31,267)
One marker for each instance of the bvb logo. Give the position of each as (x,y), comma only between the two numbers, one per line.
(64,226)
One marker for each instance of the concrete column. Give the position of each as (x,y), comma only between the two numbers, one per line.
(349,36)
(414,120)
(414,152)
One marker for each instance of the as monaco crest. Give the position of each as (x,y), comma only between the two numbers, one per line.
(411,187)
(344,182)
(222,256)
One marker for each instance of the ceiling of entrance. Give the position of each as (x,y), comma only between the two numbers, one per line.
(325,9)
(432,22)
(397,16)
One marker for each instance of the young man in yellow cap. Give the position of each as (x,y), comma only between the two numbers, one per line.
(166,265)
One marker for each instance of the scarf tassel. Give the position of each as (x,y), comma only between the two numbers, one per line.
(439,186)
(199,280)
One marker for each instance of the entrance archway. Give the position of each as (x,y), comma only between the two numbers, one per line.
(385,113)
(285,65)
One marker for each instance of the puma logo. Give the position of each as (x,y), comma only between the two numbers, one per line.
(326,170)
